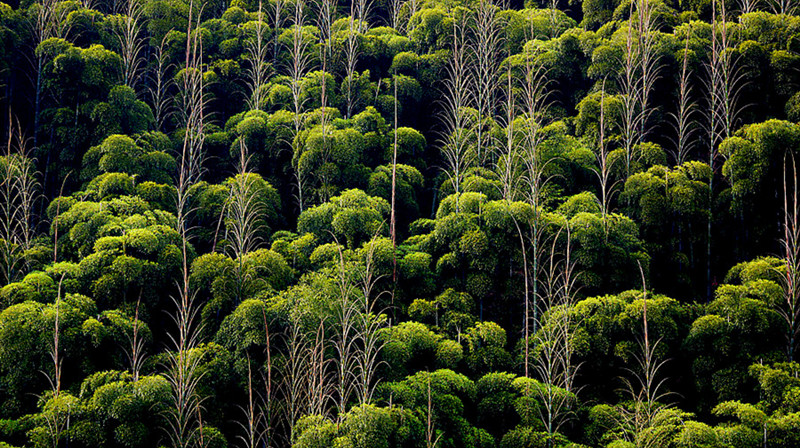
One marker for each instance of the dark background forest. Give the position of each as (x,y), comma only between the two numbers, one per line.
(399,223)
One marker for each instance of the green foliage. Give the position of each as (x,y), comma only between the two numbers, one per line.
(26,333)
(609,328)
(606,250)
(668,203)
(122,114)
(411,347)
(362,427)
(147,159)
(450,394)
(351,217)
(365,273)
(724,340)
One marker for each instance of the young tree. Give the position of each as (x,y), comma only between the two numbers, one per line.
(629,88)
(356,25)
(485,44)
(159,86)
(50,21)
(431,437)
(251,437)
(58,416)
(131,43)
(729,77)
(351,58)
(295,376)
(363,10)
(647,421)
(244,214)
(325,17)
(392,216)
(603,169)
(791,245)
(320,386)
(649,62)
(257,52)
(554,363)
(781,7)
(277,21)
(457,126)
(345,340)
(507,158)
(395,14)
(723,84)
(300,64)
(510,171)
(269,407)
(19,193)
(684,123)
(136,353)
(369,326)
(640,70)
(748,6)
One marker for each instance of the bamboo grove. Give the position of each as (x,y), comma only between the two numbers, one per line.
(399,223)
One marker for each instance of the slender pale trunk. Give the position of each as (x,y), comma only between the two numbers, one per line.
(791,244)
(393,217)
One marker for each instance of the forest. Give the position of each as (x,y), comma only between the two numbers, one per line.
(399,223)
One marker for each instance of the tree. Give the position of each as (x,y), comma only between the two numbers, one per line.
(457,125)
(753,167)
(300,62)
(791,243)
(485,44)
(353,216)
(159,86)
(122,114)
(554,342)
(131,43)
(687,107)
(257,49)
(50,22)
(29,334)
(668,204)
(185,423)
(19,191)
(443,395)
(722,90)
(649,420)
(721,340)
(640,67)
(146,157)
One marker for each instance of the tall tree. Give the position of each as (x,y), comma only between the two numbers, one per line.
(644,423)
(369,327)
(185,422)
(723,83)
(536,102)
(50,21)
